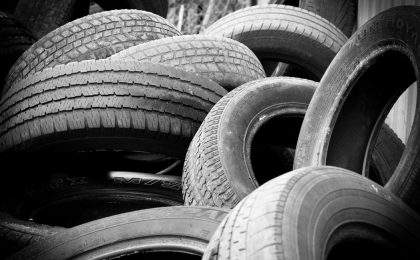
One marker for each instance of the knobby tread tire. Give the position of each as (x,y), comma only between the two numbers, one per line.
(121,101)
(189,226)
(16,234)
(96,36)
(225,61)
(342,13)
(209,179)
(295,216)
(15,38)
(286,33)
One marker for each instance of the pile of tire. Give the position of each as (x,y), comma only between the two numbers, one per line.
(122,138)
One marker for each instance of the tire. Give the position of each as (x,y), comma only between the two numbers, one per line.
(44,16)
(159,7)
(225,61)
(14,40)
(342,13)
(96,36)
(261,122)
(105,105)
(180,231)
(283,33)
(16,234)
(352,112)
(67,198)
(318,213)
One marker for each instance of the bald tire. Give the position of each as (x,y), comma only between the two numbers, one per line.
(308,213)
(92,37)
(227,62)
(182,229)
(106,105)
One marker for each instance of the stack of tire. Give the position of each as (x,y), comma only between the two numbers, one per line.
(109,123)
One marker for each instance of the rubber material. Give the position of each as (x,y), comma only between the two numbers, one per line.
(355,95)
(182,229)
(309,213)
(106,105)
(259,121)
(225,61)
(96,36)
(284,33)
(15,38)
(16,234)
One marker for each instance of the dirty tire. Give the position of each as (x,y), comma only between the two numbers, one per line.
(96,36)
(260,121)
(15,38)
(67,199)
(342,13)
(309,213)
(344,117)
(227,62)
(16,234)
(44,16)
(185,230)
(285,33)
(159,7)
(106,105)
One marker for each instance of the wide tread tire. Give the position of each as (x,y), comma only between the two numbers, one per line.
(305,213)
(96,36)
(227,62)
(106,105)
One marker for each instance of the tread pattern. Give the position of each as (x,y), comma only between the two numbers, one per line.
(227,62)
(96,36)
(263,224)
(342,13)
(16,234)
(122,98)
(204,180)
(15,38)
(283,32)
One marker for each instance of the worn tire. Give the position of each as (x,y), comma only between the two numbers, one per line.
(15,38)
(355,95)
(180,231)
(16,234)
(284,33)
(106,105)
(259,121)
(227,62)
(44,16)
(67,198)
(96,36)
(318,213)
(159,7)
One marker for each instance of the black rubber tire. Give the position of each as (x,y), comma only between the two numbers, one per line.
(96,36)
(342,13)
(159,7)
(309,213)
(260,121)
(186,230)
(284,33)
(106,105)
(67,199)
(15,38)
(356,94)
(44,16)
(225,61)
(16,234)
